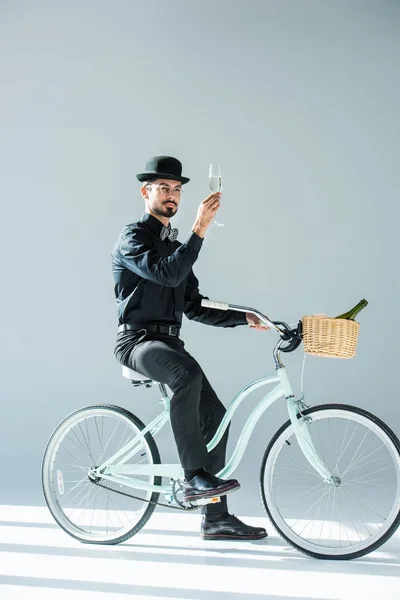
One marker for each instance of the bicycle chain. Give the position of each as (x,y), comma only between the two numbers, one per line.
(185,508)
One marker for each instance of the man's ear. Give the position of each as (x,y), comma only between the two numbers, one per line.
(144,191)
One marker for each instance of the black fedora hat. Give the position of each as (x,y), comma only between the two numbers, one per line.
(163,167)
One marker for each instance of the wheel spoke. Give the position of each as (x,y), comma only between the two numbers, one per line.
(100,438)
(108,443)
(86,488)
(304,467)
(358,449)
(362,454)
(358,500)
(369,474)
(76,461)
(359,466)
(74,487)
(341,447)
(347,445)
(78,442)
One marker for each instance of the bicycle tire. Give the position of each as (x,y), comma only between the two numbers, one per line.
(309,411)
(45,473)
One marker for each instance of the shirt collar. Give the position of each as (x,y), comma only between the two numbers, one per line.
(154,224)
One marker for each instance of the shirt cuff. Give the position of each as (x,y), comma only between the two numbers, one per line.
(194,242)
(241,318)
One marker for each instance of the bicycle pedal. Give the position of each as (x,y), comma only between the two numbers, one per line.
(202,501)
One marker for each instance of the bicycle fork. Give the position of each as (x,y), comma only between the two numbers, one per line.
(300,425)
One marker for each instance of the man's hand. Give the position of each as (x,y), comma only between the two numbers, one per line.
(255,322)
(206,213)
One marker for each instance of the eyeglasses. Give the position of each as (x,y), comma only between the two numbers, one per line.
(166,189)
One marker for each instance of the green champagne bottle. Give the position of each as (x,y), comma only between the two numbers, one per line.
(352,313)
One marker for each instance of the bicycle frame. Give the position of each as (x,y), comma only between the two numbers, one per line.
(115,469)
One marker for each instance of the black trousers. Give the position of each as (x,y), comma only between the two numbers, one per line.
(195,410)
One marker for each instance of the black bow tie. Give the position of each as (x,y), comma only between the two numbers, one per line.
(171,234)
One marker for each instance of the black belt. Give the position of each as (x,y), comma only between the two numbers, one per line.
(169,329)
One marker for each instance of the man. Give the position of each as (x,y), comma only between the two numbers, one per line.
(154,286)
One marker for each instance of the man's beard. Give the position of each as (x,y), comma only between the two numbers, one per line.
(165,211)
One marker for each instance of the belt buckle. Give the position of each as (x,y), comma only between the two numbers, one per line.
(170,328)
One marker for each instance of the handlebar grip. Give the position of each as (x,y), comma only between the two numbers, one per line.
(215,304)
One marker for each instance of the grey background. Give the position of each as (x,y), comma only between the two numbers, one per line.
(299,103)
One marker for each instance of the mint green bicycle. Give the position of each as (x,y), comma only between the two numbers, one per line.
(329,479)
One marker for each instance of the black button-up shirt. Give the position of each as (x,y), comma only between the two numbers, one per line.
(154,280)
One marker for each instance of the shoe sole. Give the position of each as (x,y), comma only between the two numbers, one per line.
(213,494)
(236,538)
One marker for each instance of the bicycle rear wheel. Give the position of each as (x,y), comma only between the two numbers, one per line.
(86,511)
(342,521)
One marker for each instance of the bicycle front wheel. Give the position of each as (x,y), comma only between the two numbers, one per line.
(361,510)
(86,439)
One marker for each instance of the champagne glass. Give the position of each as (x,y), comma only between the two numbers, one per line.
(215,184)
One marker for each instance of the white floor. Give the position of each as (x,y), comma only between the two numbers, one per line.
(167,559)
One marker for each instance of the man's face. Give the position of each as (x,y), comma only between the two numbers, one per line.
(163,196)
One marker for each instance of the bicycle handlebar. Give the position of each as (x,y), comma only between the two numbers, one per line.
(225,306)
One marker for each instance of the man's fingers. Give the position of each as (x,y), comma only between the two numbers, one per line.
(211,197)
(259,326)
(213,206)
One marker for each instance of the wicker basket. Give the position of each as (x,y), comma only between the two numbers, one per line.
(334,338)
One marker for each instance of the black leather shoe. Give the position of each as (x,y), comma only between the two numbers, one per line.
(207,485)
(230,528)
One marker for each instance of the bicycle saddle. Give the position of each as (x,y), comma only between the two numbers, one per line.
(134,375)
